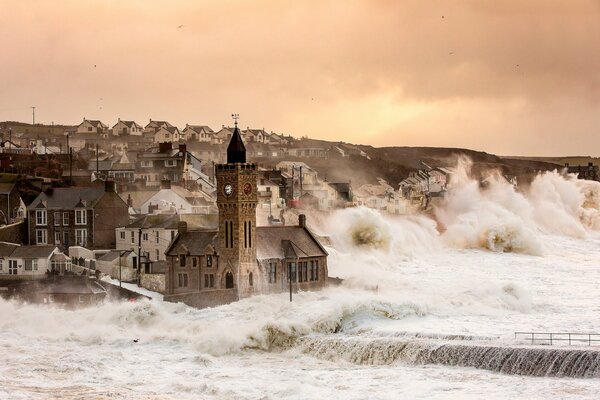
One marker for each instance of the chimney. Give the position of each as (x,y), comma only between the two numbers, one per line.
(182,148)
(152,208)
(165,184)
(182,227)
(109,186)
(129,201)
(302,221)
(164,147)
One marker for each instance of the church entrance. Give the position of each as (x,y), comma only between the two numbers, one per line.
(229,280)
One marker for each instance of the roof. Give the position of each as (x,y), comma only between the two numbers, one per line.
(33,251)
(193,242)
(236,151)
(114,254)
(129,124)
(6,249)
(6,187)
(159,123)
(286,242)
(171,221)
(139,197)
(74,286)
(67,198)
(94,122)
(198,128)
(172,129)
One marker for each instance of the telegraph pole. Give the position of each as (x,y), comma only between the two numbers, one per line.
(33,114)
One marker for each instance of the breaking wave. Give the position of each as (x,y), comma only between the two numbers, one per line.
(574,363)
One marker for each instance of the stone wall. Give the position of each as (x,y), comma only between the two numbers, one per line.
(209,298)
(154,282)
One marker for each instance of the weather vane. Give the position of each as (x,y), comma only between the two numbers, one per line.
(235,118)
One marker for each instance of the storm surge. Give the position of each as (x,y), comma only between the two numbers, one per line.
(556,362)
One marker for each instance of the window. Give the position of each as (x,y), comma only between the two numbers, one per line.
(251,279)
(132,237)
(145,237)
(305,271)
(209,260)
(182,260)
(40,217)
(66,238)
(81,299)
(81,237)
(206,280)
(81,217)
(272,272)
(31,264)
(194,262)
(157,237)
(57,218)
(1,264)
(146,164)
(41,236)
(57,238)
(316,270)
(212,280)
(122,233)
(12,267)
(183,280)
(134,262)
(172,235)
(170,163)
(65,218)
(312,270)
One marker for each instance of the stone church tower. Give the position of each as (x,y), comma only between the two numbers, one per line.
(236,199)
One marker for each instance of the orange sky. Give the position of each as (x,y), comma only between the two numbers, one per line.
(504,76)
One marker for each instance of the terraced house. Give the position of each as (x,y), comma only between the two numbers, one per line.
(76,216)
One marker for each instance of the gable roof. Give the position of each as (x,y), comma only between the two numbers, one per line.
(193,242)
(68,198)
(198,128)
(95,123)
(33,251)
(6,187)
(286,242)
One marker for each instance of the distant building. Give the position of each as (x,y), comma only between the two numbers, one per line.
(123,128)
(198,133)
(31,262)
(153,126)
(590,172)
(93,126)
(211,267)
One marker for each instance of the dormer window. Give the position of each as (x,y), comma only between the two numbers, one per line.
(81,216)
(170,163)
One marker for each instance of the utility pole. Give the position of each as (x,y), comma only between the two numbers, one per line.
(33,114)
(301,181)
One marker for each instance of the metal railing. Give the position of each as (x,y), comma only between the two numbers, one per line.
(556,337)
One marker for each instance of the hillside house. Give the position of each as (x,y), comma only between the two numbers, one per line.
(124,128)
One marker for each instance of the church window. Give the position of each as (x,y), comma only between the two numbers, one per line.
(250,279)
(209,260)
(182,260)
(229,280)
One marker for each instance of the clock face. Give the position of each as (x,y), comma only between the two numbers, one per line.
(247,188)
(228,189)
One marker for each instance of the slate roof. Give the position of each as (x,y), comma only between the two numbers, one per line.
(114,254)
(72,286)
(68,198)
(193,242)
(236,152)
(6,249)
(96,123)
(171,221)
(198,128)
(129,124)
(33,251)
(282,241)
(6,187)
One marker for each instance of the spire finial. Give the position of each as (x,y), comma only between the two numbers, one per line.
(235,118)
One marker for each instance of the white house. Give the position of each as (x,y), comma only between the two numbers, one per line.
(93,126)
(123,128)
(31,262)
(167,134)
(198,133)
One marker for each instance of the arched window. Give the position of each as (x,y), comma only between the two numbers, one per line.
(229,280)
(250,280)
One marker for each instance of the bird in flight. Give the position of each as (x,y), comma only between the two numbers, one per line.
(180,26)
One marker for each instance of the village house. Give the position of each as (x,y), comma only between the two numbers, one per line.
(119,264)
(12,207)
(123,128)
(211,267)
(77,216)
(151,235)
(153,126)
(198,133)
(93,126)
(168,134)
(31,262)
(223,135)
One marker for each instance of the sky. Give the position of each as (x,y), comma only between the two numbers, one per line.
(503,76)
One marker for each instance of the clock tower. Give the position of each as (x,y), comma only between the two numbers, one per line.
(237,199)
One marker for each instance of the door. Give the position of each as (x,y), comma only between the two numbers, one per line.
(12,267)
(229,281)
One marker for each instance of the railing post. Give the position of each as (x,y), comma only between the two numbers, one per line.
(550,339)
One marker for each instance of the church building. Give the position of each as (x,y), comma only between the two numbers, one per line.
(206,268)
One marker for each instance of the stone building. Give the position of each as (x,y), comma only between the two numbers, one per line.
(211,267)
(82,216)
